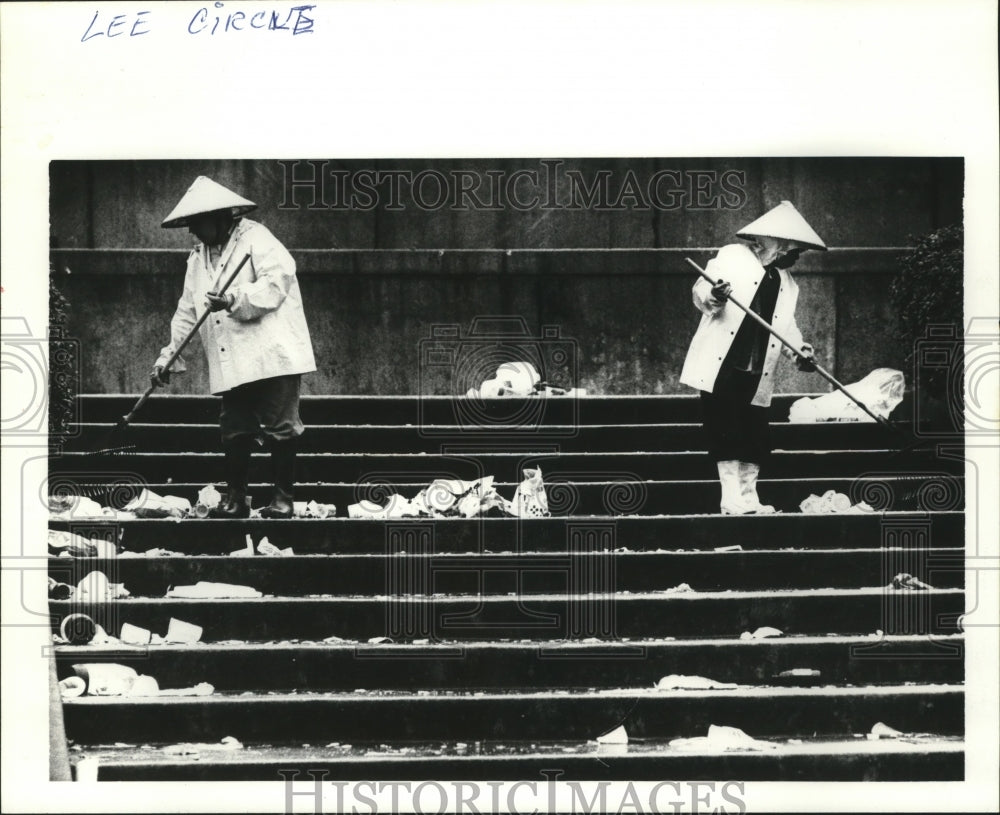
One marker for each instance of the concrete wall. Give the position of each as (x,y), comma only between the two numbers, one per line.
(376,282)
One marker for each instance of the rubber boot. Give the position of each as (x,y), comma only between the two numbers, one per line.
(236,504)
(748,488)
(283,465)
(732,502)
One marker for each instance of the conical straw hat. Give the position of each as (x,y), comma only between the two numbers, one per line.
(784,222)
(206,195)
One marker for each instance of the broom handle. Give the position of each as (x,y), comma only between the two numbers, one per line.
(819,369)
(173,357)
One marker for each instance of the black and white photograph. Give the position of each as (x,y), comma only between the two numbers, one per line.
(562,475)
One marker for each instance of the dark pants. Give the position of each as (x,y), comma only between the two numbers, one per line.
(734,428)
(267,407)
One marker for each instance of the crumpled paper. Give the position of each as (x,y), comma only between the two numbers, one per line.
(456,498)
(832,502)
(148,504)
(881,391)
(721,737)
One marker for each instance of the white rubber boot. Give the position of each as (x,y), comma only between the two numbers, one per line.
(732,502)
(749,473)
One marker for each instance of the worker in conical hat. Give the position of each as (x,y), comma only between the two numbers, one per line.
(256,339)
(732,360)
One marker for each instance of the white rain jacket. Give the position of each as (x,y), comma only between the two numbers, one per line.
(737,265)
(265,333)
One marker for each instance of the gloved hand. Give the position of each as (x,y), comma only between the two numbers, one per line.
(159,377)
(806,358)
(720,293)
(218,302)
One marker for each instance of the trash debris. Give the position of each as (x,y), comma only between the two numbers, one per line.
(265,547)
(682,682)
(206,589)
(832,502)
(530,500)
(59,591)
(69,544)
(72,686)
(379,640)
(201,689)
(106,678)
(144,686)
(444,498)
(880,730)
(881,391)
(180,631)
(721,737)
(300,509)
(334,639)
(95,588)
(134,635)
(761,633)
(73,507)
(156,551)
(734,548)
(246,551)
(209,498)
(148,504)
(519,379)
(680,588)
(194,749)
(906,581)
(616,736)
(78,629)
(799,672)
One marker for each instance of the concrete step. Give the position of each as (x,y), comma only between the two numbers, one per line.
(467,463)
(539,616)
(615,497)
(646,713)
(285,666)
(526,572)
(373,438)
(499,535)
(434,410)
(848,759)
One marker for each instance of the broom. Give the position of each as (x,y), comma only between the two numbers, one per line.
(124,421)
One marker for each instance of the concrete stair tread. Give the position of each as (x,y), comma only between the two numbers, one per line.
(492,694)
(575,646)
(841,759)
(620,596)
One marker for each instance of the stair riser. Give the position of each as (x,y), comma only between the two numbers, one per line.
(619,497)
(925,766)
(531,618)
(577,718)
(432,411)
(375,574)
(345,668)
(869,531)
(568,438)
(353,469)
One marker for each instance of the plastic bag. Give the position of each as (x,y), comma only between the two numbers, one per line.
(530,500)
(882,390)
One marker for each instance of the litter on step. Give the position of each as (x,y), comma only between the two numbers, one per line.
(112,679)
(206,589)
(455,498)
(682,682)
(833,502)
(881,391)
(722,738)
